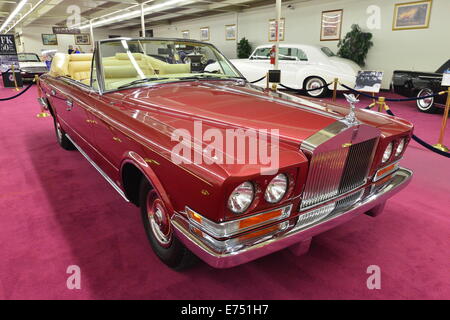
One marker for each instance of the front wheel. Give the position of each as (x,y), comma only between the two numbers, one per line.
(426,105)
(159,230)
(315,82)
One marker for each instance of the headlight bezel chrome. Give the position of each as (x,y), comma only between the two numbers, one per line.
(269,194)
(401,146)
(387,155)
(245,186)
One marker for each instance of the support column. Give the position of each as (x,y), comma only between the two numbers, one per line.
(92,35)
(278,9)
(143,20)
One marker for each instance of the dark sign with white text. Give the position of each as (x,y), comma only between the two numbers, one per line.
(8,53)
(65,30)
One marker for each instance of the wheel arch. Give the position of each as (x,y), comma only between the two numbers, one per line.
(313,71)
(310,77)
(132,170)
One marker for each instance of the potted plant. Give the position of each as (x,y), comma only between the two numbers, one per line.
(244,49)
(356,45)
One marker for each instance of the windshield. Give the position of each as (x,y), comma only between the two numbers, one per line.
(28,57)
(128,63)
(328,52)
(445,67)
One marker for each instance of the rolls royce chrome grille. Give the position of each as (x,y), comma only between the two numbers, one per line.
(357,166)
(337,172)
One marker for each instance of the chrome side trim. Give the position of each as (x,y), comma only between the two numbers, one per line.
(104,175)
(372,202)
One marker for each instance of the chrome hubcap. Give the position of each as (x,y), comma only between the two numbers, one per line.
(158,219)
(312,84)
(425,103)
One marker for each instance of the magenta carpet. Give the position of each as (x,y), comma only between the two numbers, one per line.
(57,211)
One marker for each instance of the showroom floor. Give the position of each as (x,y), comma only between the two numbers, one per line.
(57,211)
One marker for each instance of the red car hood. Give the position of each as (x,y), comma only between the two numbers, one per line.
(225,105)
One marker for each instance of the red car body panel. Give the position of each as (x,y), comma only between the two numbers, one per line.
(134,126)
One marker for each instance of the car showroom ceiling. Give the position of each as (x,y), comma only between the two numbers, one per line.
(55,12)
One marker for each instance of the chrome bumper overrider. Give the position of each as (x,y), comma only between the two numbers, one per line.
(369,199)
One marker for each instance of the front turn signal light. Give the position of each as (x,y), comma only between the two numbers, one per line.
(386,171)
(231,228)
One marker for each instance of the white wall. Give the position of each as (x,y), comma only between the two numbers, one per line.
(422,49)
(32,39)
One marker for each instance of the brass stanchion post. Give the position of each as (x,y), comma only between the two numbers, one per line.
(374,101)
(14,77)
(381,103)
(43,113)
(267,81)
(336,81)
(440,145)
(274,87)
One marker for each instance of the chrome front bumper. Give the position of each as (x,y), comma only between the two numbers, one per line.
(370,199)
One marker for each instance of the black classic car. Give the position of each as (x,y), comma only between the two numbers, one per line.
(420,84)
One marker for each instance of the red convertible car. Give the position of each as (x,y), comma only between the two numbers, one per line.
(135,107)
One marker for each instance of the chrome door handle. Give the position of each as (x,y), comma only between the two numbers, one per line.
(69,105)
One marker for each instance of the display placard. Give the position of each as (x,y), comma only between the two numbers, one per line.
(8,53)
(369,81)
(446,79)
(274,76)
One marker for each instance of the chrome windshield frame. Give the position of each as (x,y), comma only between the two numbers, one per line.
(99,66)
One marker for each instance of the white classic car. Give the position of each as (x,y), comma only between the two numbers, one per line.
(302,67)
(31,65)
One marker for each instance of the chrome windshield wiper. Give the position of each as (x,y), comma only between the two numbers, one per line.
(139,81)
(210,77)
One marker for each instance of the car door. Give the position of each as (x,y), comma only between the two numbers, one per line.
(74,111)
(291,61)
(256,66)
(110,142)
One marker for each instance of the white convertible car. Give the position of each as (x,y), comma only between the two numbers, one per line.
(302,67)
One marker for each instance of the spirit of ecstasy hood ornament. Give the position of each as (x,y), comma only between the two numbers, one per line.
(351,119)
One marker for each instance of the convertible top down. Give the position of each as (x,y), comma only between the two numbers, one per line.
(131,105)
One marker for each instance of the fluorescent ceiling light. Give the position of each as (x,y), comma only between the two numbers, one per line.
(133,14)
(25,15)
(13,14)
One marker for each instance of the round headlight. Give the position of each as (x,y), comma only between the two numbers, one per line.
(388,153)
(400,148)
(241,198)
(276,189)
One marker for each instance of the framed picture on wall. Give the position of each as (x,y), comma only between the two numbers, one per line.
(331,26)
(185,34)
(204,34)
(83,39)
(49,40)
(230,32)
(412,15)
(273,29)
